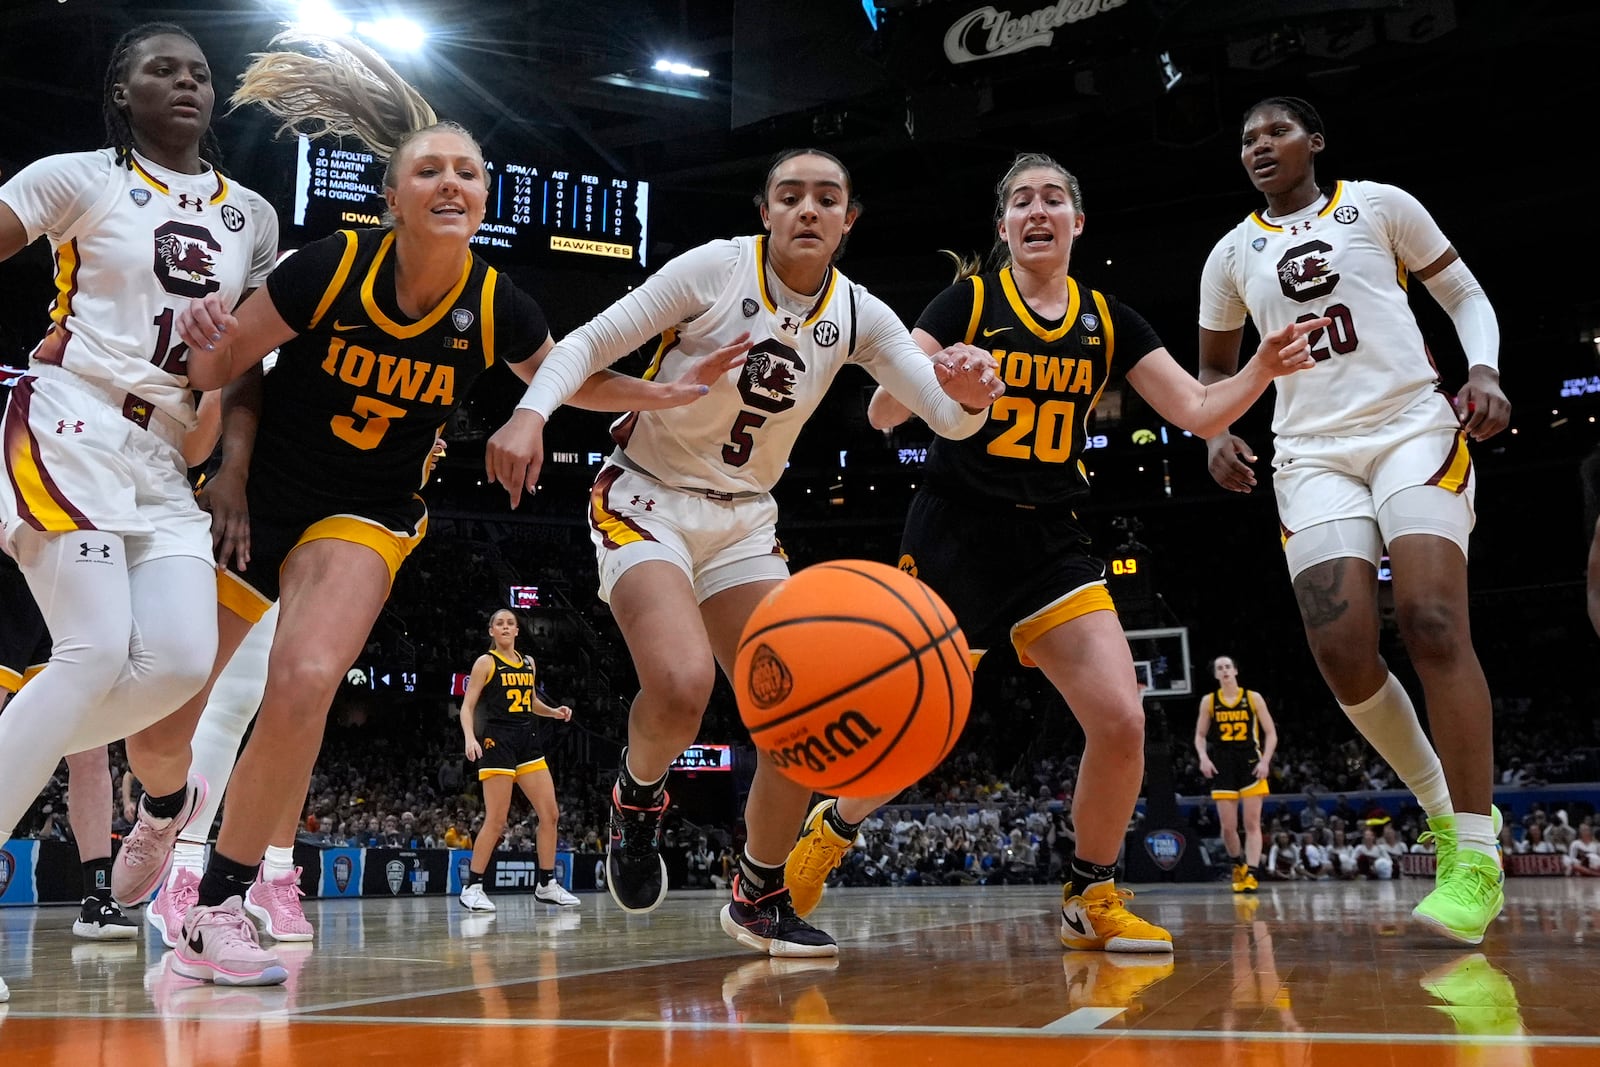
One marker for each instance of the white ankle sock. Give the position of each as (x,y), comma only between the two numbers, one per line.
(279,862)
(1476,832)
(188,856)
(1388,720)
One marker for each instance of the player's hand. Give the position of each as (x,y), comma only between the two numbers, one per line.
(1481,405)
(564,713)
(474,750)
(969,376)
(223,495)
(1208,769)
(706,371)
(1287,350)
(1228,458)
(206,323)
(434,456)
(515,454)
(1262,769)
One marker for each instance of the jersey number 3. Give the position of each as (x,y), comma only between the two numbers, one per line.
(367,423)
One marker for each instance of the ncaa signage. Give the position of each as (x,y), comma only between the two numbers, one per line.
(341,872)
(17,881)
(1165,848)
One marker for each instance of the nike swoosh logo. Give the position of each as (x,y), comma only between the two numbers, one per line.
(340,327)
(986,333)
(196,945)
(1075,923)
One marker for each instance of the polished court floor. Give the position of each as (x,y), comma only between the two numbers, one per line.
(1301,974)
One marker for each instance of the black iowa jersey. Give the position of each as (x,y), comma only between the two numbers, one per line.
(1235,728)
(1030,451)
(508,694)
(354,402)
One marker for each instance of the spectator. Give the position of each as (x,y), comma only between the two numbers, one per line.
(1372,859)
(1583,855)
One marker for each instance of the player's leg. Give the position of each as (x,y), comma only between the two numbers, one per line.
(332,592)
(761,913)
(496,783)
(89,810)
(1086,657)
(1228,817)
(540,788)
(1251,807)
(159,756)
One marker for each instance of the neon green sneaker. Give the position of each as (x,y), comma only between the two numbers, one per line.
(815,856)
(1478,997)
(1466,899)
(1442,832)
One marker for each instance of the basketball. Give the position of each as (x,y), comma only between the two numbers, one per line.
(853,678)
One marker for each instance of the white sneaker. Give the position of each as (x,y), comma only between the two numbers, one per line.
(473,898)
(5,994)
(551,892)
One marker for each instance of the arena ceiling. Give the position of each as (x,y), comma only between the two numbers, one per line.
(1475,104)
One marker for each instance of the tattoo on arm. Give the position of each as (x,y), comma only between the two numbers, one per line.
(1320,594)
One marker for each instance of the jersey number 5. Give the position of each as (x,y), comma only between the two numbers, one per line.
(365,427)
(736,453)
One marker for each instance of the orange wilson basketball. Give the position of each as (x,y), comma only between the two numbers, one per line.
(853,677)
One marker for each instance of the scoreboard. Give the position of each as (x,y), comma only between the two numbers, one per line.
(534,212)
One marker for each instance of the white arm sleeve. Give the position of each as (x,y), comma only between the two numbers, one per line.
(51,194)
(1464,300)
(1221,307)
(682,289)
(889,354)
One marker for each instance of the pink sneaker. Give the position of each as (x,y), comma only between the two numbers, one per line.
(173,901)
(277,905)
(219,945)
(146,852)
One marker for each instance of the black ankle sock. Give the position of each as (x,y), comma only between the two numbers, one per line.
(224,878)
(474,878)
(165,807)
(97,878)
(1236,861)
(836,823)
(637,794)
(546,875)
(756,880)
(1086,874)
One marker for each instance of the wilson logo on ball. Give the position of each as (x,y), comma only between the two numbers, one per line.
(770,681)
(843,737)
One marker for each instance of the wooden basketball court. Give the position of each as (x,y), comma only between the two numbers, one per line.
(1320,973)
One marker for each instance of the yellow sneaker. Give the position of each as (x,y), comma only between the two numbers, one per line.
(812,859)
(1104,980)
(1099,920)
(1240,873)
(1250,884)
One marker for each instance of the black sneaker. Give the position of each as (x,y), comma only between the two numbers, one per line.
(769,924)
(636,875)
(101,920)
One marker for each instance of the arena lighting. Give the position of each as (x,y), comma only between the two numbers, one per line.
(400,34)
(672,66)
(319,16)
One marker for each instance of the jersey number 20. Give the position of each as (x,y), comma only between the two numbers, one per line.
(1049,424)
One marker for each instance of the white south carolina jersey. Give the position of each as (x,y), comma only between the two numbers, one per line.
(737,438)
(133,245)
(1344,257)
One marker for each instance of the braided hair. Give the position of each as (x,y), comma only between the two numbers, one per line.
(119,131)
(1303,112)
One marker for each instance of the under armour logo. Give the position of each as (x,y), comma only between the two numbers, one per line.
(640,501)
(1297,227)
(186,201)
(62,424)
(84,548)
(790,325)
